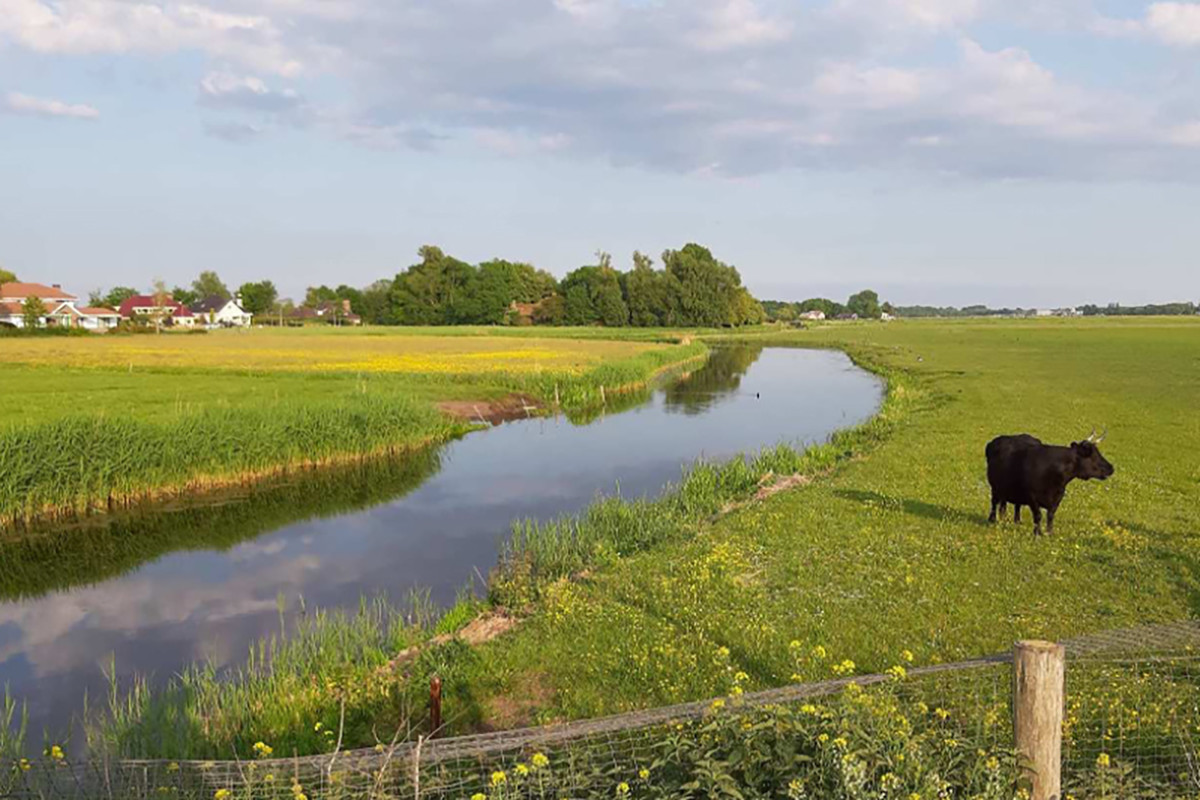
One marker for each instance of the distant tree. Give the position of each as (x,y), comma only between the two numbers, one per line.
(259,297)
(747,310)
(186,296)
(648,294)
(593,295)
(375,305)
(707,288)
(888,308)
(578,306)
(209,284)
(7,276)
(315,296)
(160,312)
(829,308)
(865,304)
(551,311)
(118,295)
(433,291)
(32,310)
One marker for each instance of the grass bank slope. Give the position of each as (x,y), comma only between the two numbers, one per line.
(892,552)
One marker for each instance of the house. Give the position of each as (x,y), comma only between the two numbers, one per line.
(885,316)
(61,308)
(847,315)
(815,314)
(218,311)
(145,307)
(331,312)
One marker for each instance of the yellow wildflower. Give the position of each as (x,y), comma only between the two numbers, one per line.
(718,704)
(741,677)
(521,769)
(479,796)
(808,708)
(221,794)
(498,777)
(622,788)
(1103,760)
(941,713)
(56,753)
(643,773)
(823,738)
(819,653)
(263,750)
(269,777)
(906,656)
(540,760)
(25,765)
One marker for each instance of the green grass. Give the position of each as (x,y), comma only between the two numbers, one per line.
(886,549)
(892,551)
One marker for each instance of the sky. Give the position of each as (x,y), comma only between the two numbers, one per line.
(1008,152)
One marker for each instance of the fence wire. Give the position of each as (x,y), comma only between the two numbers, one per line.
(1131,727)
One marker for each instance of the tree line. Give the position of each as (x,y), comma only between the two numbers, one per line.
(864,305)
(692,288)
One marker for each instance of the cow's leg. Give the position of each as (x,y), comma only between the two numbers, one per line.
(995,502)
(1016,512)
(1050,519)
(1037,519)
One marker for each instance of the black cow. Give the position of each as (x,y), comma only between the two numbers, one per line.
(1025,472)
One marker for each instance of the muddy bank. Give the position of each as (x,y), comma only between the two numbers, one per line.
(513,406)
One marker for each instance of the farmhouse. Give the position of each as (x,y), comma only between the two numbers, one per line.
(61,308)
(144,307)
(217,311)
(816,314)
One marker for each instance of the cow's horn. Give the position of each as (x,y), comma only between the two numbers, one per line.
(1100,438)
(1092,436)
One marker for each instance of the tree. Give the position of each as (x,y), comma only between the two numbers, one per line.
(551,310)
(827,307)
(375,306)
(160,312)
(118,295)
(186,296)
(647,293)
(258,298)
(7,276)
(209,284)
(865,304)
(32,310)
(705,287)
(434,291)
(316,296)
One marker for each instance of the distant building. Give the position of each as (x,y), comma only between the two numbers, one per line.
(847,315)
(221,312)
(145,307)
(62,309)
(816,314)
(885,316)
(330,312)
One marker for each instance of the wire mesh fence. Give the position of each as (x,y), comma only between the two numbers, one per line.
(1131,724)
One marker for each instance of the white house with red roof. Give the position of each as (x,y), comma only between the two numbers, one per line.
(144,306)
(62,309)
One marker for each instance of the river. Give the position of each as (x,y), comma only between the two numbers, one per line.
(152,591)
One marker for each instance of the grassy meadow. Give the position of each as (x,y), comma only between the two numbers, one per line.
(92,423)
(878,554)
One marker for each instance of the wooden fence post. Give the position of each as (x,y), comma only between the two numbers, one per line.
(435,706)
(1038,680)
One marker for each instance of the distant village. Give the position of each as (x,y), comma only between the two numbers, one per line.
(23,305)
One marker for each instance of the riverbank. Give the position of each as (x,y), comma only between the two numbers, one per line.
(105,438)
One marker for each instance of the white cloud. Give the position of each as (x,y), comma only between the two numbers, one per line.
(678,85)
(1175,23)
(83,27)
(19,103)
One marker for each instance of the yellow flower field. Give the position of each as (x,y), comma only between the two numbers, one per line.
(350,351)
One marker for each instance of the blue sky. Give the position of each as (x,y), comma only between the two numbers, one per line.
(944,151)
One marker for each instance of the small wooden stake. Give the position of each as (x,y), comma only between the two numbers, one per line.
(603,401)
(435,706)
(1038,678)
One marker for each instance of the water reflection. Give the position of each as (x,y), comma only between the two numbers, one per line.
(721,377)
(160,590)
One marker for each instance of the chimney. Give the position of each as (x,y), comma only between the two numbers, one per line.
(56,286)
